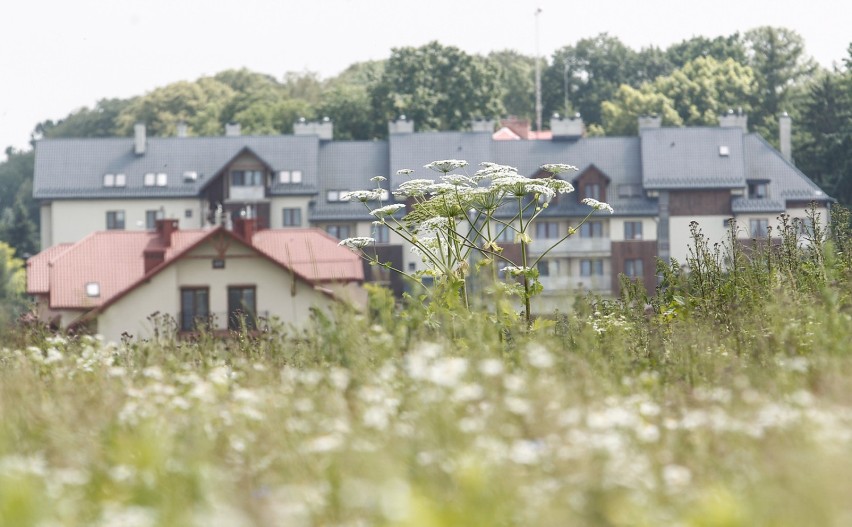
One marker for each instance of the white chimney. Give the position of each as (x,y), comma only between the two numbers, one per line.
(324,130)
(785,132)
(181,129)
(482,125)
(650,121)
(139,138)
(567,127)
(734,120)
(232,130)
(401,126)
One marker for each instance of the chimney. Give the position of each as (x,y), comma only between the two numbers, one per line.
(181,129)
(734,120)
(401,126)
(650,121)
(567,129)
(482,125)
(785,132)
(139,139)
(232,130)
(323,129)
(165,228)
(245,227)
(521,127)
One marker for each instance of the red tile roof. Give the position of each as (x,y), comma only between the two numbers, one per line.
(115,261)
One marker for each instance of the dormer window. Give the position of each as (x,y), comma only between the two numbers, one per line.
(120,180)
(290,176)
(758,189)
(162,179)
(592,190)
(149,179)
(109,180)
(336,195)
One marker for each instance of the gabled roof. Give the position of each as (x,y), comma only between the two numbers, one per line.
(690,158)
(786,182)
(74,168)
(115,260)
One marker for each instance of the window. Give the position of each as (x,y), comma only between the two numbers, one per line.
(758,227)
(336,195)
(120,180)
(632,230)
(724,151)
(115,220)
(629,190)
(591,229)
(592,190)
(338,231)
(187,213)
(758,189)
(246,178)
(93,289)
(591,267)
(109,180)
(547,230)
(291,217)
(543,267)
(194,308)
(149,179)
(242,307)
(162,179)
(507,235)
(151,217)
(804,226)
(382,234)
(290,176)
(633,268)
(190,176)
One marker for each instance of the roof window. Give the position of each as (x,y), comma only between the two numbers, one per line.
(724,151)
(190,176)
(109,180)
(149,179)
(93,289)
(162,179)
(290,176)
(120,180)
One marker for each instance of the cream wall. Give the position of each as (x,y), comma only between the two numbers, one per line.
(713,227)
(616,228)
(71,220)
(278,204)
(243,267)
(743,220)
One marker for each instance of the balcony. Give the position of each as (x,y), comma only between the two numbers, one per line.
(560,285)
(573,246)
(246,193)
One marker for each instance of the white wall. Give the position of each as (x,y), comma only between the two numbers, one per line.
(713,227)
(72,220)
(616,228)
(279,203)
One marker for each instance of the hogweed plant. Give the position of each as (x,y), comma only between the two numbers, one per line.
(455,221)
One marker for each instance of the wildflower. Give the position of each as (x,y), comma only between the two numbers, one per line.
(539,357)
(445,166)
(456,179)
(387,210)
(545,193)
(516,270)
(438,223)
(558,185)
(357,243)
(491,367)
(597,205)
(378,179)
(404,172)
(413,187)
(493,170)
(362,195)
(558,168)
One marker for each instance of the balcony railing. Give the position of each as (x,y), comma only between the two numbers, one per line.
(572,246)
(554,285)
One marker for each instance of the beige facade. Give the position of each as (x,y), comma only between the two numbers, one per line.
(68,221)
(278,294)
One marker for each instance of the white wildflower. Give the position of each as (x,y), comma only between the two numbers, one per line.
(597,205)
(676,477)
(539,357)
(362,195)
(447,165)
(404,172)
(558,168)
(544,192)
(413,187)
(378,179)
(516,270)
(357,243)
(456,179)
(387,210)
(525,452)
(558,185)
(491,367)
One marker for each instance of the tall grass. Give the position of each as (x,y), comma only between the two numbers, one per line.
(723,400)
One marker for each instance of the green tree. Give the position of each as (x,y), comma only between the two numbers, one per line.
(439,87)
(586,74)
(13,284)
(705,88)
(517,76)
(720,48)
(348,105)
(18,230)
(621,114)
(824,133)
(777,57)
(100,121)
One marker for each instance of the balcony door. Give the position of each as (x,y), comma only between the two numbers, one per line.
(242,307)
(194,307)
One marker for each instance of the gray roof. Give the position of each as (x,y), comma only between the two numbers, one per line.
(349,165)
(689,158)
(412,151)
(786,182)
(74,168)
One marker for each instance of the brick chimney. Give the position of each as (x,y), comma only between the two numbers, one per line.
(165,228)
(521,127)
(245,228)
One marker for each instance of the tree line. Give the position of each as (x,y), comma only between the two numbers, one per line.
(762,72)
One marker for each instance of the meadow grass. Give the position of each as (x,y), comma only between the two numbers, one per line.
(724,400)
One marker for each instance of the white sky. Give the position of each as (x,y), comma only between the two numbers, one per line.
(59,55)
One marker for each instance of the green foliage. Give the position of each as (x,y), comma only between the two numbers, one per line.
(13,285)
(19,212)
(620,114)
(439,87)
(517,78)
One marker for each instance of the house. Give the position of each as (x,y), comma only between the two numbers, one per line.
(215,278)
(657,183)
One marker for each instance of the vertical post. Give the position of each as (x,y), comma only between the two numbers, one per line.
(537,76)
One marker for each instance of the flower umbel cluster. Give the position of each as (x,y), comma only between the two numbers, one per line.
(455,222)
